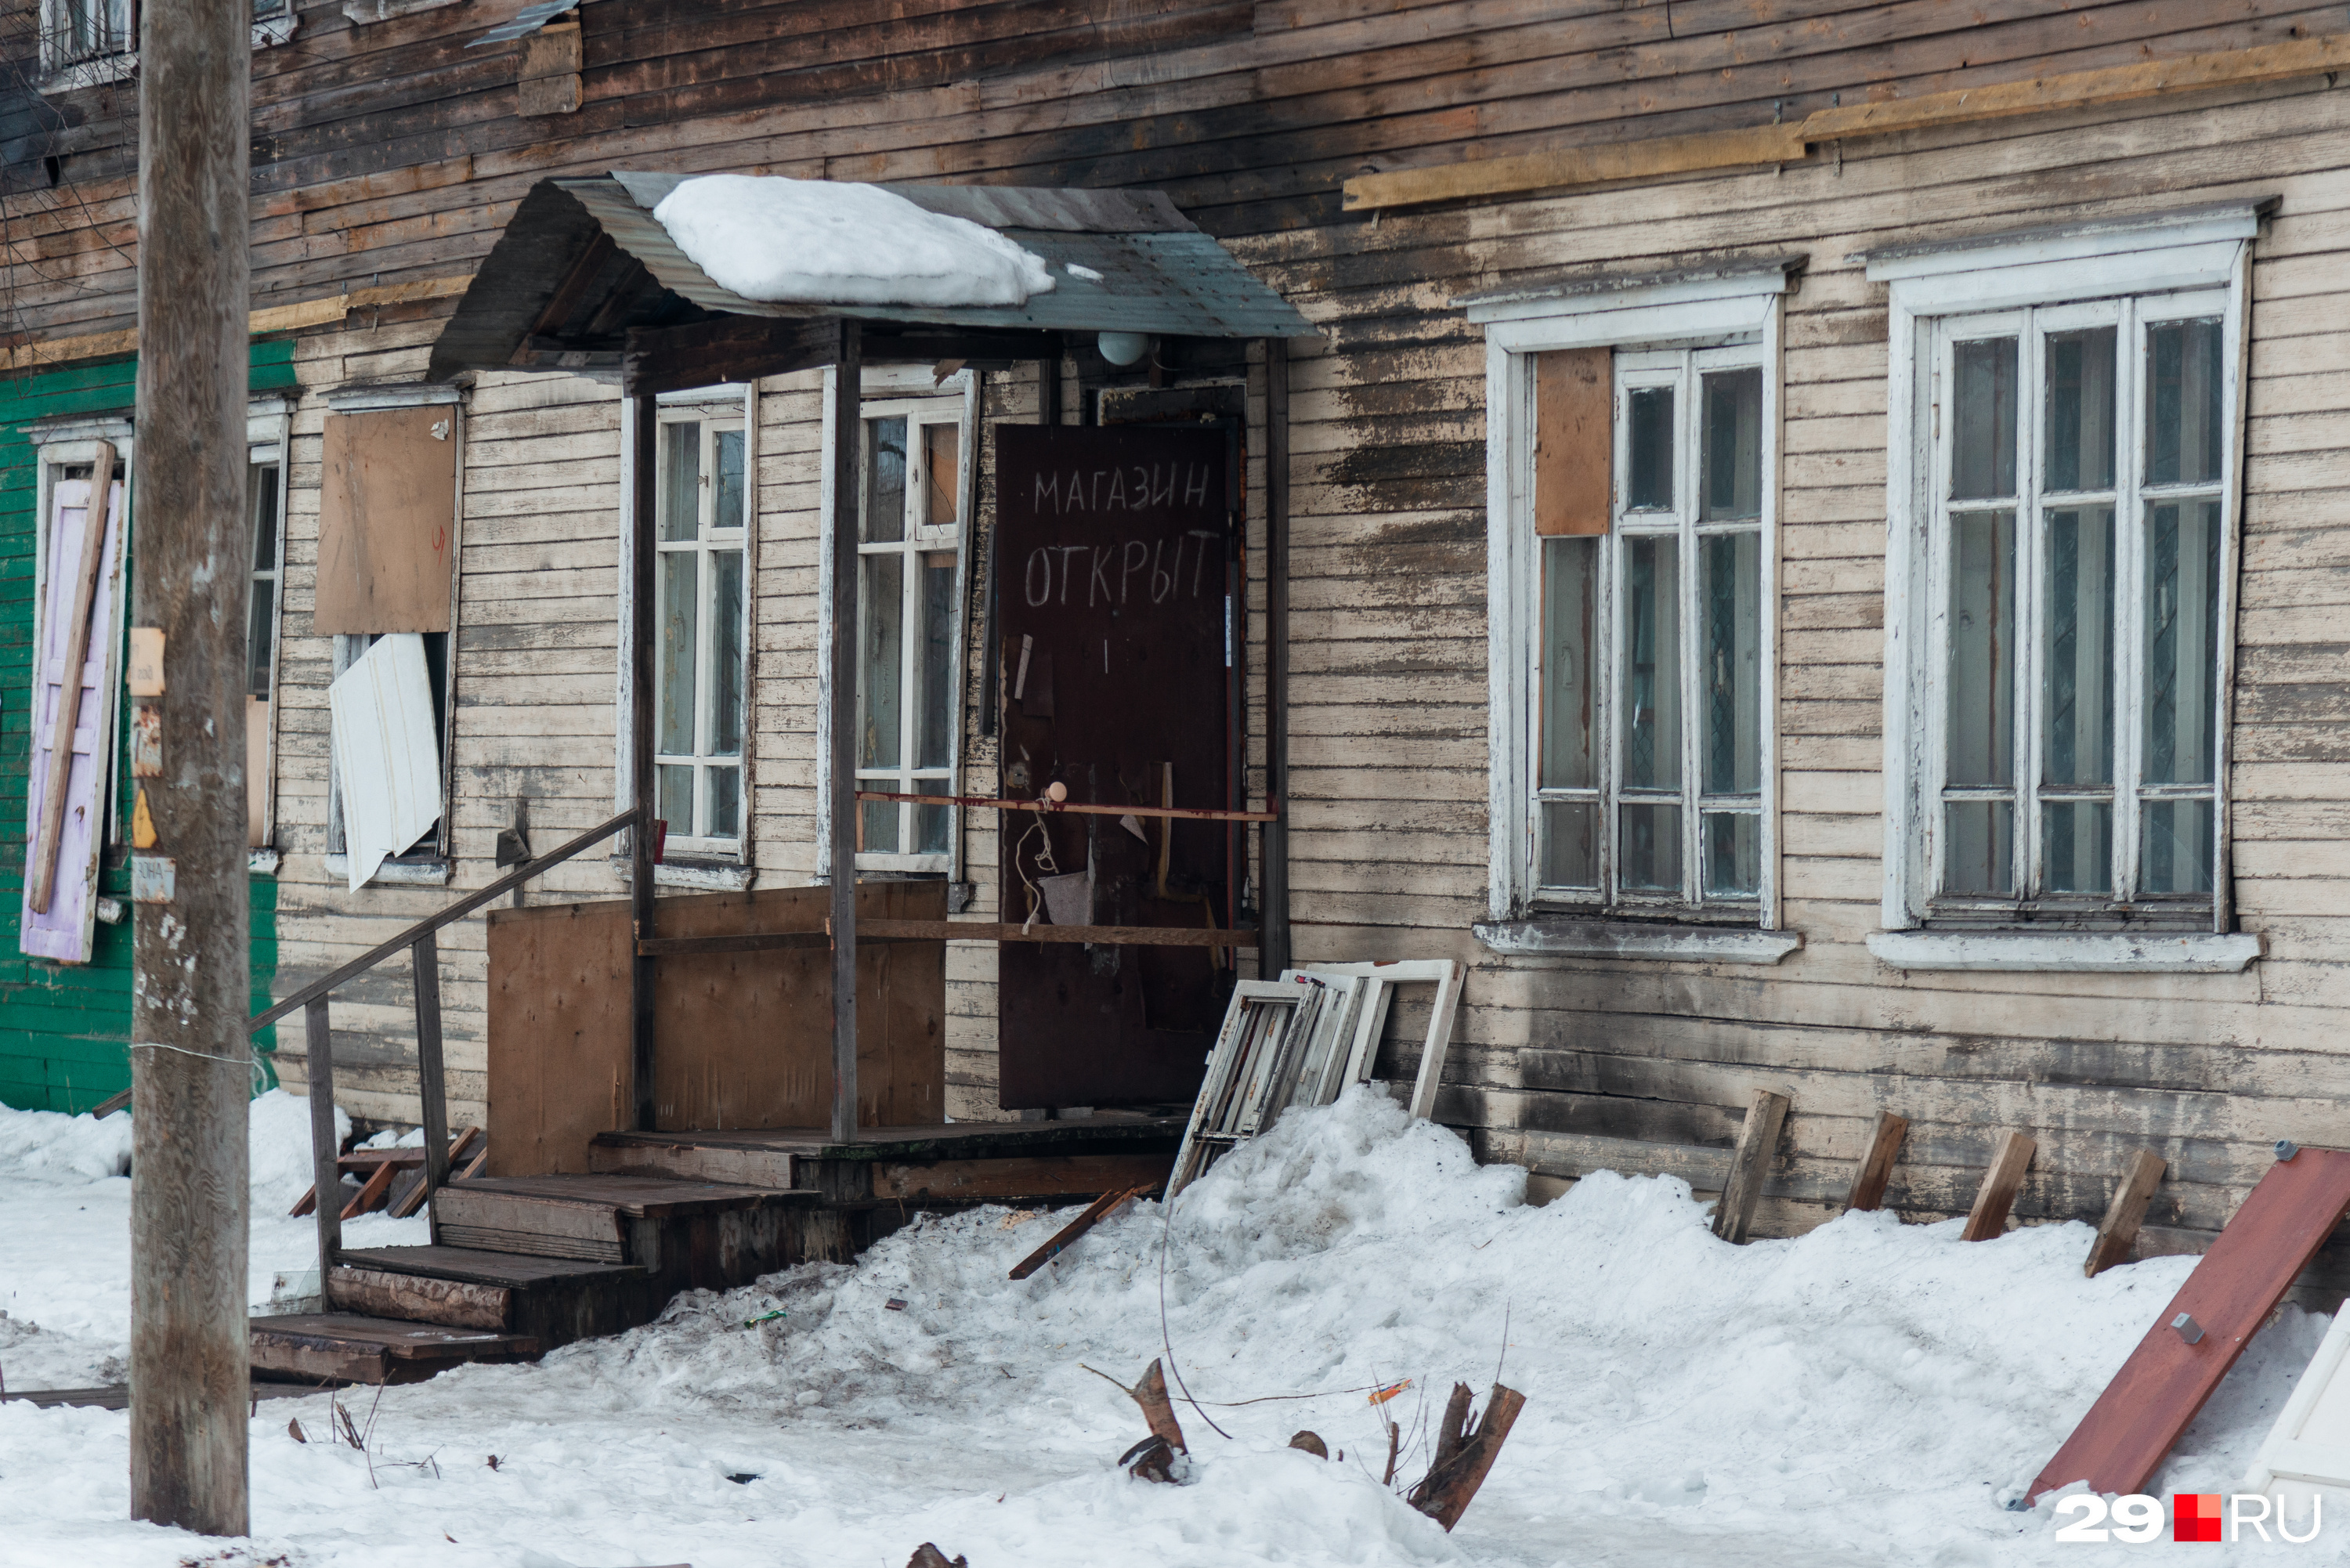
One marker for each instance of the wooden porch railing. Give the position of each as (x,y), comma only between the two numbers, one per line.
(424,955)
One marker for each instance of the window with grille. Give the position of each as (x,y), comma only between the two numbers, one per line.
(700,597)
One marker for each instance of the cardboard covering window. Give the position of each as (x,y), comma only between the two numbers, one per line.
(1574,444)
(387,520)
(387,754)
(64,930)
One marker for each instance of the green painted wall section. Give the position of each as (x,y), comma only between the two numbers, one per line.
(64,1029)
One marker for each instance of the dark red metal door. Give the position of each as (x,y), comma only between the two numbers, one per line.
(1114,548)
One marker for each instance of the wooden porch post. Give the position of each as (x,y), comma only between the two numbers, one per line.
(1274,955)
(848,459)
(642,633)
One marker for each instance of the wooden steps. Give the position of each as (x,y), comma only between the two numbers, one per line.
(350,1347)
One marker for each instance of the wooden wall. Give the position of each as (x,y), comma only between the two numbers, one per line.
(396,158)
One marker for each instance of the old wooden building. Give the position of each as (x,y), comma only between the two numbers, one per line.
(1801,545)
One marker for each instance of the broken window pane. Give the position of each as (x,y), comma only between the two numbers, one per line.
(2076,697)
(2080,375)
(1979,856)
(880,671)
(1569,697)
(1732,741)
(1651,685)
(1734,853)
(1981,738)
(1982,445)
(1733,445)
(680,625)
(726,507)
(2182,402)
(934,746)
(2182,640)
(885,480)
(2077,846)
(2175,840)
(1648,852)
(1649,484)
(1570,844)
(942,474)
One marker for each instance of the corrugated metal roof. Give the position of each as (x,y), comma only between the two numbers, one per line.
(528,20)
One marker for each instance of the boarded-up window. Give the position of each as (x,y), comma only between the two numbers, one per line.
(1573,442)
(387,520)
(79,590)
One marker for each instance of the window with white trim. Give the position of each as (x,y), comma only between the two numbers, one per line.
(1648,678)
(86,42)
(701,601)
(913,496)
(1631,560)
(2063,519)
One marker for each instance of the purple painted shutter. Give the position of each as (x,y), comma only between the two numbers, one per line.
(64,932)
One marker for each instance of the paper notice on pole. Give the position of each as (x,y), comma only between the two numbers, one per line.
(387,756)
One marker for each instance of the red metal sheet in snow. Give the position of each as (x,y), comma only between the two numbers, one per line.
(2230,1294)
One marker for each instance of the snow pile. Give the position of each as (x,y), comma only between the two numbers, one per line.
(278,1125)
(1870,1393)
(817,242)
(48,1146)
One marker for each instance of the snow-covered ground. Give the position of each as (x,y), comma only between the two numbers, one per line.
(1871,1393)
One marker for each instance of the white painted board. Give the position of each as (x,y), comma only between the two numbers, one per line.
(2311,1439)
(386,753)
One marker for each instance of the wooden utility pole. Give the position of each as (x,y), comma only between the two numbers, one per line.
(848,469)
(190,1060)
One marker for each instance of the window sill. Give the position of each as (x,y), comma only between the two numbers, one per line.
(1556,937)
(2086,952)
(708,877)
(394,873)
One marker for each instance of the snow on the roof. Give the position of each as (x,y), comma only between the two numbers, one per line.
(816,242)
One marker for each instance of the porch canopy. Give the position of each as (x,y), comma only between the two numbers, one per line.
(587,280)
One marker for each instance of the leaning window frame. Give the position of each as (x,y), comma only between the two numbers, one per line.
(1734,305)
(2205,251)
(268,434)
(880,387)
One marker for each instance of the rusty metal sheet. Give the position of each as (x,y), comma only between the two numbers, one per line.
(1114,549)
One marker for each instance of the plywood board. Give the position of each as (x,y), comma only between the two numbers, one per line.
(1574,444)
(387,520)
(742,1040)
(2230,1296)
(2311,1441)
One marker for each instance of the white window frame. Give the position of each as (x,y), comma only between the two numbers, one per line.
(267,438)
(62,70)
(726,409)
(1735,307)
(73,444)
(2158,266)
(907,391)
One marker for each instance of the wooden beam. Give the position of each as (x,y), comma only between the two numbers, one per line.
(729,348)
(1790,143)
(990,802)
(1758,1138)
(928,347)
(1273,837)
(1876,1167)
(2118,1232)
(1100,1210)
(643,493)
(848,459)
(1103,936)
(1988,1218)
(276,319)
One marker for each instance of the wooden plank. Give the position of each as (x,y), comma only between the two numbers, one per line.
(547,80)
(726,348)
(1577,166)
(1100,1210)
(1988,1218)
(548,1227)
(2166,1381)
(654,1156)
(1027,1176)
(1876,1167)
(2118,1231)
(453,1303)
(1758,1139)
(1114,936)
(632,1197)
(371,1195)
(276,319)
(1575,442)
(74,652)
(387,520)
(512,1270)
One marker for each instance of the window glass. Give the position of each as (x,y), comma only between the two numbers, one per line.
(1734,853)
(936,683)
(1982,675)
(885,480)
(1733,443)
(2080,398)
(701,665)
(680,498)
(2182,640)
(1982,454)
(725,633)
(1730,740)
(880,669)
(680,638)
(1649,847)
(726,508)
(261,625)
(1569,706)
(1650,698)
(1649,483)
(2182,402)
(942,474)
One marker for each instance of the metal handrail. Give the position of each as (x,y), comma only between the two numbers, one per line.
(424,955)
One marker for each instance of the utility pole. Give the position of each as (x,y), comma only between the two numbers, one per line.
(189,1059)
